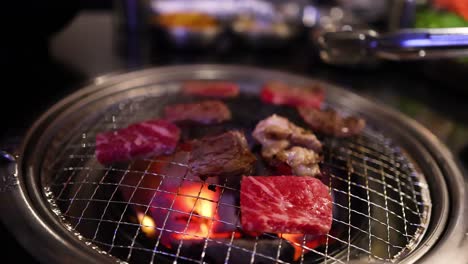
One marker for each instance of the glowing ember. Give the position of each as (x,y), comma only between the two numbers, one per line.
(201,203)
(297,241)
(182,208)
(147,224)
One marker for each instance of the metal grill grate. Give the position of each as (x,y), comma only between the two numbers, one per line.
(381,201)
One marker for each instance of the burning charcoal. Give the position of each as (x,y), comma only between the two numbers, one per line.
(212,187)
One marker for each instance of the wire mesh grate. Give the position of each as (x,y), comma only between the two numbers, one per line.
(157,211)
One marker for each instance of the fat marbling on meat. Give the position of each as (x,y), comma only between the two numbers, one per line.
(204,112)
(221,155)
(285,204)
(331,123)
(145,139)
(283,141)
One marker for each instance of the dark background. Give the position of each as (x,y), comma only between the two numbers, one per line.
(64,44)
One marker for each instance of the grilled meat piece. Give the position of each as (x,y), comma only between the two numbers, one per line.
(222,155)
(282,94)
(302,161)
(205,112)
(331,123)
(282,141)
(276,133)
(145,139)
(285,204)
(218,89)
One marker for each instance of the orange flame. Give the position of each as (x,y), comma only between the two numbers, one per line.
(204,219)
(297,241)
(147,223)
(202,203)
(183,209)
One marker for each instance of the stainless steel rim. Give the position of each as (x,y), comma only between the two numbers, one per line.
(28,197)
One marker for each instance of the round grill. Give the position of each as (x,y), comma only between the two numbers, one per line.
(382,209)
(381,200)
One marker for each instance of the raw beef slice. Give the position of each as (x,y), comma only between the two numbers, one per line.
(205,112)
(217,89)
(285,204)
(279,93)
(145,139)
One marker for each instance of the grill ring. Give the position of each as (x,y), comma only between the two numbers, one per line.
(29,202)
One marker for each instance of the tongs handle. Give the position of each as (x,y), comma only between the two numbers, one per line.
(353,47)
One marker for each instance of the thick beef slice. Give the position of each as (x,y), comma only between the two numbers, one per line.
(285,204)
(221,155)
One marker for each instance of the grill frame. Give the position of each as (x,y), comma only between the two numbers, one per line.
(28,201)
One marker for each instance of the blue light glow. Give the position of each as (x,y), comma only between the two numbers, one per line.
(436,41)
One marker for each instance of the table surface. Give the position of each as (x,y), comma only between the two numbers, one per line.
(90,46)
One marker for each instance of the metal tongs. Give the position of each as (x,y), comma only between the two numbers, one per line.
(367,46)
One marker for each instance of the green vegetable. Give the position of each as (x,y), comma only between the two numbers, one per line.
(438,19)
(428,18)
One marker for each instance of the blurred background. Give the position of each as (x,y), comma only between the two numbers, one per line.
(51,48)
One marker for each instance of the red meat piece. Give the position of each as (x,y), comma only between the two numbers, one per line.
(331,123)
(217,89)
(145,139)
(221,155)
(205,112)
(282,94)
(285,204)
